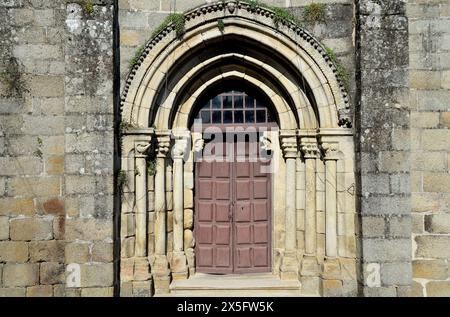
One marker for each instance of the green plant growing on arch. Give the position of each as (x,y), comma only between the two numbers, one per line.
(177,19)
(341,72)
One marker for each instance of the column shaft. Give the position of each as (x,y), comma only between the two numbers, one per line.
(178,210)
(141,207)
(310,209)
(160,207)
(330,205)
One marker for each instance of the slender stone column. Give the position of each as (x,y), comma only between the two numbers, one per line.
(289,268)
(330,150)
(141,148)
(160,267)
(310,151)
(178,265)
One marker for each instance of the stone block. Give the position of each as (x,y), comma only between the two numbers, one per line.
(4,228)
(380,291)
(52,273)
(189,240)
(97,292)
(141,269)
(31,229)
(438,289)
(424,119)
(77,253)
(35,186)
(430,269)
(332,288)
(11,251)
(188,219)
(436,140)
(386,205)
(16,206)
(102,252)
(396,273)
(310,267)
(386,250)
(188,198)
(88,229)
(437,182)
(439,223)
(373,226)
(417,290)
(127,250)
(331,269)
(40,291)
(97,275)
(47,251)
(348,269)
(142,288)
(433,246)
(20,275)
(394,161)
(399,226)
(12,292)
(311,286)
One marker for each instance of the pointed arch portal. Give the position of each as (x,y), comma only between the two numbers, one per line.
(312,208)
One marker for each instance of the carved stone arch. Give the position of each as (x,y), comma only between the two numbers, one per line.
(296,45)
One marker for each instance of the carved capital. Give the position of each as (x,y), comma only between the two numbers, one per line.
(141,148)
(330,150)
(180,147)
(163,146)
(288,143)
(310,149)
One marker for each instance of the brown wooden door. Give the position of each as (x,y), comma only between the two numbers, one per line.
(232,223)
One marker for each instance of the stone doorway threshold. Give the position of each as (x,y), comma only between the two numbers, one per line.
(248,285)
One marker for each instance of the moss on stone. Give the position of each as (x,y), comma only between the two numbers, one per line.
(341,72)
(314,13)
(177,19)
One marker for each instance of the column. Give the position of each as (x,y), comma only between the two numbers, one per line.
(161,268)
(141,148)
(178,266)
(289,267)
(310,151)
(330,150)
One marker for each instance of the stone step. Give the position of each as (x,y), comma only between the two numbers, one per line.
(248,285)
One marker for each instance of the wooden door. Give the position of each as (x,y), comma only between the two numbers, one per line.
(232,217)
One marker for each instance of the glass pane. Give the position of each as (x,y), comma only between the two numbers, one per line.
(259,104)
(238,117)
(227,101)
(249,102)
(228,117)
(205,115)
(217,117)
(250,116)
(216,102)
(239,102)
(261,116)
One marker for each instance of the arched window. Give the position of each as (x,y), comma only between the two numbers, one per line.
(235,108)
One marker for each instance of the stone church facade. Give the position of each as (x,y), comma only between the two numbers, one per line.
(122,124)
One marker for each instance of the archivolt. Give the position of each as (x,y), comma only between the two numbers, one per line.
(288,64)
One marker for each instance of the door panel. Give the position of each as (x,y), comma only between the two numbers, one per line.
(232,223)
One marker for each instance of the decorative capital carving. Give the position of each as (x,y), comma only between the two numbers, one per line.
(141,148)
(163,146)
(179,148)
(330,150)
(310,148)
(288,144)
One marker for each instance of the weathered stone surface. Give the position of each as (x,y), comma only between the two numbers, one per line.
(189,240)
(77,253)
(97,275)
(102,252)
(97,292)
(433,246)
(40,291)
(437,223)
(52,273)
(12,292)
(430,269)
(11,251)
(19,275)
(50,251)
(438,289)
(188,219)
(332,288)
(93,229)
(396,273)
(31,229)
(331,269)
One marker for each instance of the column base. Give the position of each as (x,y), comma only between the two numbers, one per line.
(178,266)
(161,275)
(289,266)
(142,269)
(310,266)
